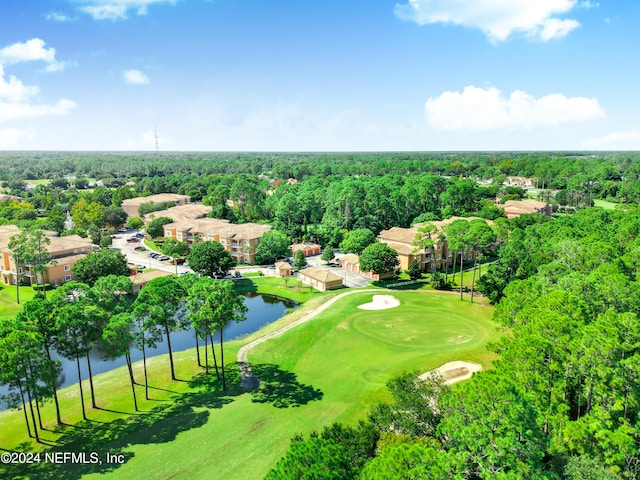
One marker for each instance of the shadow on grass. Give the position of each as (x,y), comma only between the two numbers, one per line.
(105,445)
(244,285)
(281,388)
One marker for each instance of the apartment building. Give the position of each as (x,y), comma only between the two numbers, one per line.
(515,208)
(430,259)
(240,241)
(180,213)
(63,252)
(131,205)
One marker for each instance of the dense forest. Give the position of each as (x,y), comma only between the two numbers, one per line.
(564,398)
(311,196)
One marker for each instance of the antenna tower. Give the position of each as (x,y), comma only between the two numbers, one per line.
(155,134)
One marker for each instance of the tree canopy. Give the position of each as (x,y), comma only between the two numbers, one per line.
(100,264)
(379,258)
(273,244)
(357,240)
(210,259)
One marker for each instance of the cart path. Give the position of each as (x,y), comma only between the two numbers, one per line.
(249,380)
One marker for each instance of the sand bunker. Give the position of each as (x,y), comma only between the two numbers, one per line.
(457,371)
(380,302)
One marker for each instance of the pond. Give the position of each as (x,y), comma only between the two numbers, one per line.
(262,310)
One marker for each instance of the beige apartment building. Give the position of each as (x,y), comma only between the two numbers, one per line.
(63,252)
(430,259)
(515,208)
(240,241)
(131,205)
(180,213)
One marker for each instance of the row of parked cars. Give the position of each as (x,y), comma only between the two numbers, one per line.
(159,257)
(139,266)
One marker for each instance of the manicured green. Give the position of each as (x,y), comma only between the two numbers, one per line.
(8,305)
(605,204)
(332,368)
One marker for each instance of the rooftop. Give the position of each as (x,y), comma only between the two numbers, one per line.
(147,276)
(179,213)
(57,245)
(320,274)
(159,197)
(407,235)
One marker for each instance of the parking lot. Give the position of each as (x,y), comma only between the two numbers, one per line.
(142,259)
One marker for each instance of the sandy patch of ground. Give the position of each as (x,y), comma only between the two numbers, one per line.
(380,302)
(457,371)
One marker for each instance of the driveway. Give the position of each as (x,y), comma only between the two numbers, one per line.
(351,279)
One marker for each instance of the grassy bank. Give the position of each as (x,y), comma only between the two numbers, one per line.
(9,306)
(292,289)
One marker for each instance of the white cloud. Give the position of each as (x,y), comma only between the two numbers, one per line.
(58,17)
(14,90)
(588,4)
(625,140)
(135,77)
(30,51)
(498,19)
(15,96)
(117,9)
(12,137)
(23,110)
(556,28)
(486,109)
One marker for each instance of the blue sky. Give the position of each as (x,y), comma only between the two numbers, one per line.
(349,75)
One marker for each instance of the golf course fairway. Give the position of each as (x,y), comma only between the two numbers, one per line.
(332,367)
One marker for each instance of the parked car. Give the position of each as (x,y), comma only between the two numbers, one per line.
(163,258)
(179,261)
(140,267)
(139,235)
(139,248)
(154,255)
(122,230)
(133,240)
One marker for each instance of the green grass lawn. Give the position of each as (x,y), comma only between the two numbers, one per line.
(8,304)
(292,289)
(151,245)
(332,368)
(604,204)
